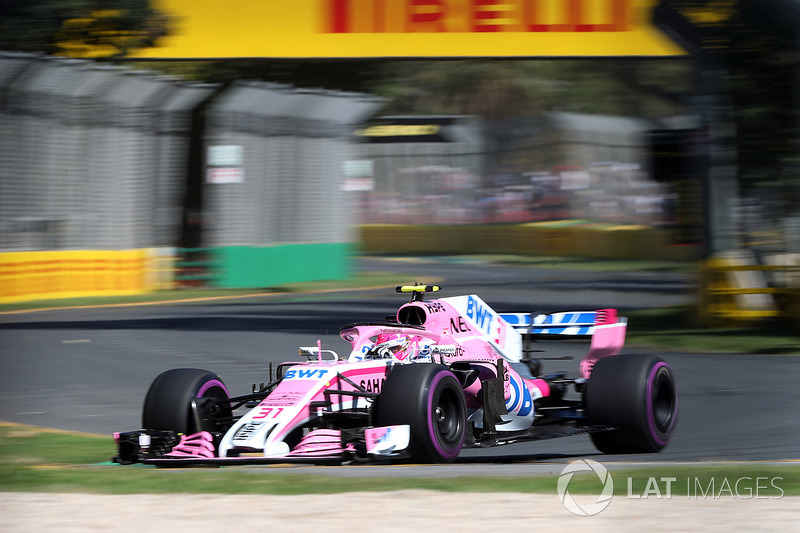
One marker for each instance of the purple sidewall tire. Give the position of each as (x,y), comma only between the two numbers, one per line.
(636,395)
(428,398)
(168,402)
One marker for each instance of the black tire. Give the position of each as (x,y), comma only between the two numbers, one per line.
(428,398)
(637,395)
(168,403)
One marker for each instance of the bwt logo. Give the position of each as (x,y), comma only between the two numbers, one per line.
(305,374)
(585,509)
(487,321)
(481,314)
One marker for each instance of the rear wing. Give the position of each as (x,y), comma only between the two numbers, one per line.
(507,332)
(606,329)
(574,323)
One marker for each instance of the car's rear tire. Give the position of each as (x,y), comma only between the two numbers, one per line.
(428,398)
(635,394)
(168,403)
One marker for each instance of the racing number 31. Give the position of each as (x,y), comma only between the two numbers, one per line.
(267,412)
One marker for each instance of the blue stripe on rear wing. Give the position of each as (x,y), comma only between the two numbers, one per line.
(576,323)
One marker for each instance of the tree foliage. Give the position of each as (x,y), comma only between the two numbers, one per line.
(500,89)
(762,66)
(80,28)
(494,89)
(753,46)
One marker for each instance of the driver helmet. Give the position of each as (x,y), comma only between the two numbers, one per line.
(390,345)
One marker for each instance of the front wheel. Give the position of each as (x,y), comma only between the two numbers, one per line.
(635,394)
(168,403)
(428,398)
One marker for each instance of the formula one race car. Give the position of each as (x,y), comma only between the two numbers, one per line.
(439,375)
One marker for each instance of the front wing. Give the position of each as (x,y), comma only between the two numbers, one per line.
(165,449)
(321,446)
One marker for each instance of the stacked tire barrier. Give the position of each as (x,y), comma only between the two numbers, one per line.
(736,289)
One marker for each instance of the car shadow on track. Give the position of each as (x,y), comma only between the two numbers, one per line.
(523,458)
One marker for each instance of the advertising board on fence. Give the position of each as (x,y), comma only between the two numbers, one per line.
(411,28)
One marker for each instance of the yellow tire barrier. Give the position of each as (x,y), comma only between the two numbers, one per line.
(724,301)
(71,274)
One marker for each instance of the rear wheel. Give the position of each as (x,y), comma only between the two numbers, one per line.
(428,398)
(168,403)
(635,394)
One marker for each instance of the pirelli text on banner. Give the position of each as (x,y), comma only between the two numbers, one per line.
(465,16)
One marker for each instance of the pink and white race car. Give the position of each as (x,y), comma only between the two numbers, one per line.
(443,374)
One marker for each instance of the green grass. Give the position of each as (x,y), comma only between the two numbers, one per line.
(675,328)
(152,297)
(586,264)
(40,460)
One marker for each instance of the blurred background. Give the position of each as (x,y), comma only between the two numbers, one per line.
(120,173)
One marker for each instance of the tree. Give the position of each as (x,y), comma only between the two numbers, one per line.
(754,48)
(80,28)
(501,89)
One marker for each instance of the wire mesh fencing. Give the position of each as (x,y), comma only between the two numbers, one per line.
(93,157)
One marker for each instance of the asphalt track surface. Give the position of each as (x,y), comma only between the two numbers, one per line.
(88,369)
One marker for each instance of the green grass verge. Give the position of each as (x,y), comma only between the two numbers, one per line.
(39,460)
(583,264)
(151,297)
(675,328)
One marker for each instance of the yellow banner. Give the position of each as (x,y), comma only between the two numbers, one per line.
(410,28)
